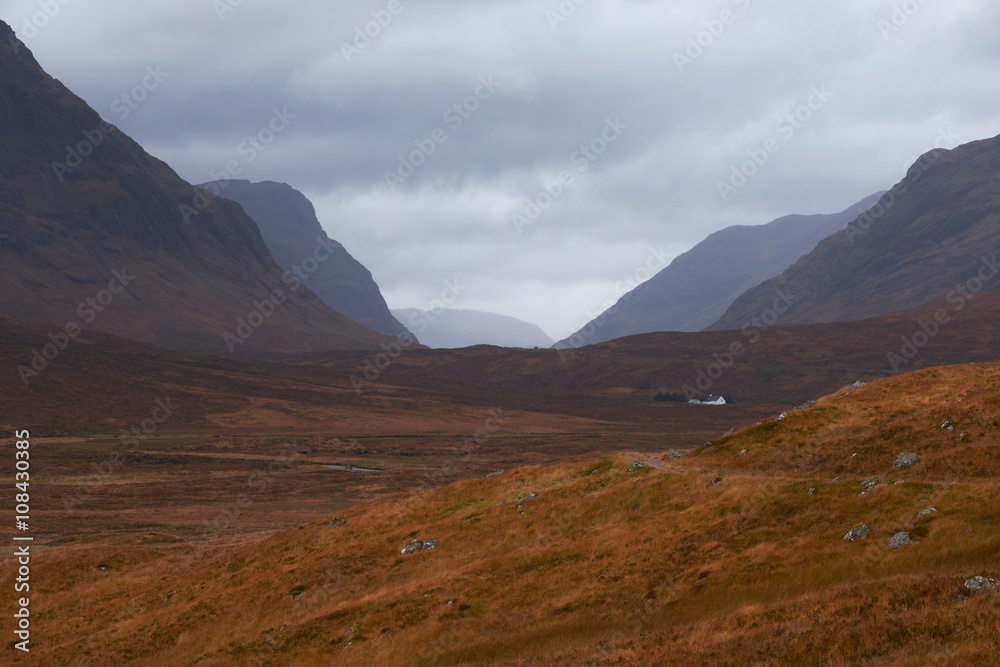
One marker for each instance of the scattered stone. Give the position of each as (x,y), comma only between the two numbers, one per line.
(979,584)
(742,452)
(857,385)
(865,492)
(717,481)
(807,405)
(858,532)
(922,513)
(530,496)
(948,426)
(900,539)
(783,415)
(472,519)
(636,465)
(494,474)
(102,568)
(679,453)
(812,490)
(869,484)
(898,482)
(905,461)
(314,538)
(413,546)
(732,430)
(335,523)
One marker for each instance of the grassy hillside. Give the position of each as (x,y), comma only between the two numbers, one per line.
(714,558)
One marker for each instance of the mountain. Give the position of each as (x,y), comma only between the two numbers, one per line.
(932,236)
(293,234)
(698,286)
(97,234)
(451,328)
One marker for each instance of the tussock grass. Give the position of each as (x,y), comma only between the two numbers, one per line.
(605,566)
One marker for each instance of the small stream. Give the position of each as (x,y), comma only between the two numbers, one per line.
(352,468)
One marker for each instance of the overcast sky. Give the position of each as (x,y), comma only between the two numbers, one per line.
(668,97)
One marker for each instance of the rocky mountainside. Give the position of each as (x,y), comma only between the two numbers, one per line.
(453,328)
(95,233)
(295,237)
(698,286)
(932,236)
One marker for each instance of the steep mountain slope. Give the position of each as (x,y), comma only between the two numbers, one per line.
(452,328)
(698,286)
(735,554)
(295,237)
(933,235)
(101,235)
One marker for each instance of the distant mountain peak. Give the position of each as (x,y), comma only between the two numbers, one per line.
(298,242)
(699,285)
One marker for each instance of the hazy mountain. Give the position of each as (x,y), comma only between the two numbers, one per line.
(98,234)
(295,237)
(933,236)
(698,286)
(446,328)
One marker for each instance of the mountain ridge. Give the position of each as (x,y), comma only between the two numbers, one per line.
(292,232)
(80,200)
(700,284)
(926,236)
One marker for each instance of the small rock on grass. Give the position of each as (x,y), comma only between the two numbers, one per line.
(905,461)
(413,546)
(636,465)
(978,584)
(677,453)
(858,532)
(900,539)
(335,523)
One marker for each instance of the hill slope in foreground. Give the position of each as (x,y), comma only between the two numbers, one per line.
(715,558)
